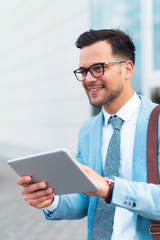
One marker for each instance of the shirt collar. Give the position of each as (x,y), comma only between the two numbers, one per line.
(126,111)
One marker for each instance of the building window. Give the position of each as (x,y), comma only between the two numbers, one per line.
(156,33)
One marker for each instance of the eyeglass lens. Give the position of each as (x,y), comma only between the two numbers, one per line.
(96,70)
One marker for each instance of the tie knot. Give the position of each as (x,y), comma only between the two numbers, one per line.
(116,122)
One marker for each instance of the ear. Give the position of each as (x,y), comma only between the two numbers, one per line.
(129,68)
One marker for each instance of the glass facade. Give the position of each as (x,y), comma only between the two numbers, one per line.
(156,34)
(124,15)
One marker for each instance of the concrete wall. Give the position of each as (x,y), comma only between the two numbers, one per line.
(42,105)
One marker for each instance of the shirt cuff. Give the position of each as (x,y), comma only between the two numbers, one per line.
(53,206)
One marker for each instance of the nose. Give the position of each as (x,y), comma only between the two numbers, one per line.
(90,78)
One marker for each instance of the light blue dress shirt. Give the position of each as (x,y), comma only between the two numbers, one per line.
(124,224)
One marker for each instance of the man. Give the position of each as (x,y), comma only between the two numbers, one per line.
(105,69)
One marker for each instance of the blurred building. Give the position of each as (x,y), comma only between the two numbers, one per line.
(42,105)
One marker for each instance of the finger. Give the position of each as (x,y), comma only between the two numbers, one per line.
(82,165)
(23,180)
(37,194)
(42,202)
(33,187)
(85,168)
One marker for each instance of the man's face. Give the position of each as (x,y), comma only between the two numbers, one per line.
(105,89)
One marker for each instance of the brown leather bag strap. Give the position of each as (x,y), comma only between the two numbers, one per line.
(152,162)
(152,146)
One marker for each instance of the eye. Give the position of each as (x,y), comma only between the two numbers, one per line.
(97,68)
(82,72)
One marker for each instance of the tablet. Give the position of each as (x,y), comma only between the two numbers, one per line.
(58,168)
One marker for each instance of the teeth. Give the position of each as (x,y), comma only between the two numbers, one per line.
(94,89)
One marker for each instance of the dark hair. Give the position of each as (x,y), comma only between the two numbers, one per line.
(121,43)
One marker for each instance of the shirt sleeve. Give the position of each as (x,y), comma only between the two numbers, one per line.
(53,206)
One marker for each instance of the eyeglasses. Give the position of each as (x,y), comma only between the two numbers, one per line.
(96,70)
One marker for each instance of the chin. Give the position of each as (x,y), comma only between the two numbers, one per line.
(95,103)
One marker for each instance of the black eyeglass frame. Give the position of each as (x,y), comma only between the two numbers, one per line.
(88,69)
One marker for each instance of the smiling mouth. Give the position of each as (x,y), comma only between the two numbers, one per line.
(94,88)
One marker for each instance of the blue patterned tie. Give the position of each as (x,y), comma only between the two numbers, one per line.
(103,225)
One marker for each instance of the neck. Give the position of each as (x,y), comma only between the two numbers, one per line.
(114,106)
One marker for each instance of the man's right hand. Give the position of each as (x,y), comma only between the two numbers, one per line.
(38,194)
